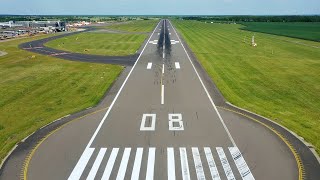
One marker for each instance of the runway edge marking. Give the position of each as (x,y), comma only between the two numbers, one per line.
(301,172)
(25,166)
(114,100)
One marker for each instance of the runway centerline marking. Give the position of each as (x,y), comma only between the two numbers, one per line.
(149,65)
(177,64)
(162,94)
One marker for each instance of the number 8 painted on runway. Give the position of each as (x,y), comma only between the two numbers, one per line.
(175,118)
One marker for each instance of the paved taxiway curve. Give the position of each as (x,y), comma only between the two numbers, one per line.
(163,124)
(37,46)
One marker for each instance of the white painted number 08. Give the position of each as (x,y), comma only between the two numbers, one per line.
(175,122)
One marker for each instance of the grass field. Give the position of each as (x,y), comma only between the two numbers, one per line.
(303,30)
(37,90)
(100,43)
(135,26)
(277,79)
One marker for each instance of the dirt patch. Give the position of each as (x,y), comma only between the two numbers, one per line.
(2,53)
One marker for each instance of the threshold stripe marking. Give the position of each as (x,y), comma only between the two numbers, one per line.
(149,65)
(212,165)
(198,164)
(150,166)
(162,94)
(171,166)
(109,166)
(184,164)
(177,64)
(137,164)
(81,165)
(241,163)
(96,164)
(124,164)
(225,164)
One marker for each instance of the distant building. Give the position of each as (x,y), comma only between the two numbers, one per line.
(53,25)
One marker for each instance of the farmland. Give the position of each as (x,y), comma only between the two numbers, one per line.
(37,89)
(302,30)
(278,79)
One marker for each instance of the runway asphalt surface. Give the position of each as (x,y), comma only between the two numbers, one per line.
(164,123)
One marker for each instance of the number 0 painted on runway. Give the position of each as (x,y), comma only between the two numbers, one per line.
(152,122)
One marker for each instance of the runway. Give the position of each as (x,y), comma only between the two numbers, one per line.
(164,123)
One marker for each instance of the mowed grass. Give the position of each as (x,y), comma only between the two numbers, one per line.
(37,89)
(99,43)
(303,30)
(143,26)
(277,79)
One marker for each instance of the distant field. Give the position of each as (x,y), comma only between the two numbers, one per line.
(135,26)
(303,30)
(278,79)
(37,90)
(100,43)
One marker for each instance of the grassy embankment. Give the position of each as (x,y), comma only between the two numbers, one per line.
(112,44)
(302,30)
(278,79)
(37,89)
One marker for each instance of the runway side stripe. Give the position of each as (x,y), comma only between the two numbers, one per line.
(241,164)
(109,166)
(184,164)
(149,65)
(198,164)
(137,164)
(177,64)
(124,164)
(171,166)
(81,165)
(212,165)
(96,164)
(225,164)
(150,166)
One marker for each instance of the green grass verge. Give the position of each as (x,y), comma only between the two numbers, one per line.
(303,30)
(278,79)
(37,89)
(135,26)
(100,43)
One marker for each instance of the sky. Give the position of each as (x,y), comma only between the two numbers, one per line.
(160,7)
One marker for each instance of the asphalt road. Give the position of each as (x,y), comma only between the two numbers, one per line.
(163,124)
